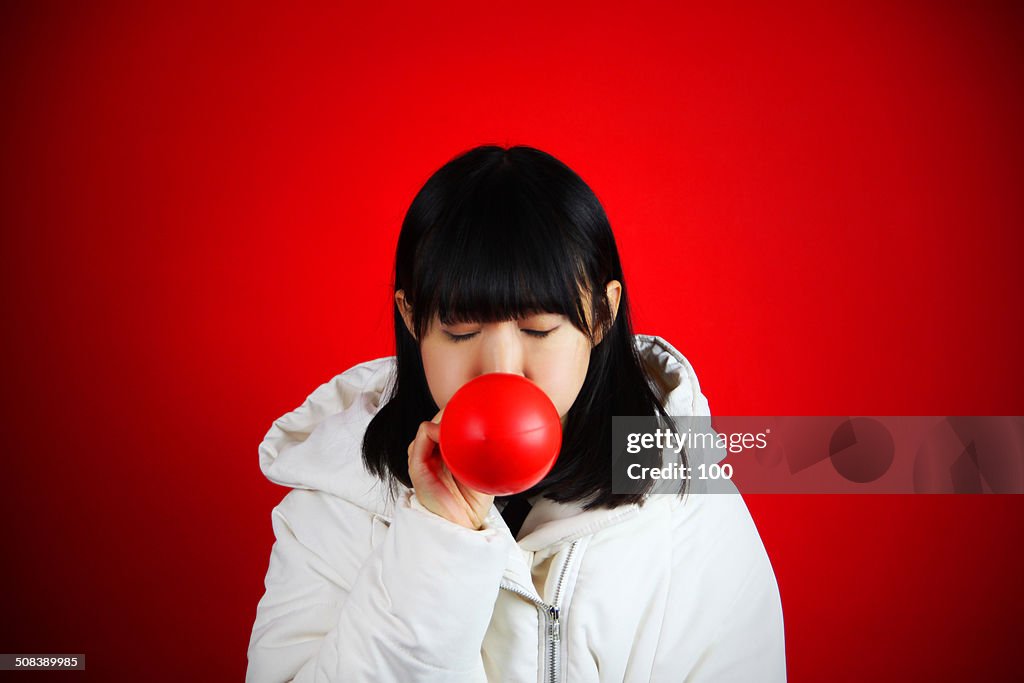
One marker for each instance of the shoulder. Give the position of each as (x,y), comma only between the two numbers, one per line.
(725,610)
(330,531)
(715,534)
(721,571)
(309,513)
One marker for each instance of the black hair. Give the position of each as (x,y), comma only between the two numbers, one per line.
(497,234)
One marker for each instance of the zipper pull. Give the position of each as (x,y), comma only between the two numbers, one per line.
(553,629)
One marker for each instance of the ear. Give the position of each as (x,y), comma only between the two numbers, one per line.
(612,292)
(405,310)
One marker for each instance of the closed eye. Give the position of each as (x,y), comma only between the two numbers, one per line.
(536,334)
(540,334)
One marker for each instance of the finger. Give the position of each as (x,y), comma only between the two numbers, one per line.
(432,431)
(420,444)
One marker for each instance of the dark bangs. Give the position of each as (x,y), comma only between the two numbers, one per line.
(497,234)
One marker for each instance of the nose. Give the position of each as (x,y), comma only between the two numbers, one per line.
(502,351)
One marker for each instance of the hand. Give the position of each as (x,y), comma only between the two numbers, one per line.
(436,488)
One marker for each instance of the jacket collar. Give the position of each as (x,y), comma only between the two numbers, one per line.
(318,445)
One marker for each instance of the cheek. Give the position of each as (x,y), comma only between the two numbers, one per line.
(445,369)
(561,373)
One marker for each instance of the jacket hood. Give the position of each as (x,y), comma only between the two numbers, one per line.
(318,446)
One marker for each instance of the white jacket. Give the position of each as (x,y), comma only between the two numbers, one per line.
(358,590)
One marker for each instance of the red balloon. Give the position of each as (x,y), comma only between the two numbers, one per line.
(500,434)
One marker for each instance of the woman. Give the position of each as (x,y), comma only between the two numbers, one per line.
(386,568)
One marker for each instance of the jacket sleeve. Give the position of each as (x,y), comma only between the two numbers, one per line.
(416,609)
(749,644)
(723,616)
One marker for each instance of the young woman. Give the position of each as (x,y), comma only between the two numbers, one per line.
(387,568)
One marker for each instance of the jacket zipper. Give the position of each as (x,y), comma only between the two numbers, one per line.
(551,613)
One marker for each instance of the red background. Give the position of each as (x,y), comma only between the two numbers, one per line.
(817,203)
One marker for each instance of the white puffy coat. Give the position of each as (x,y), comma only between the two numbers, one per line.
(360,590)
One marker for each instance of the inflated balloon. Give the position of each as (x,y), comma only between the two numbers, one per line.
(500,434)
